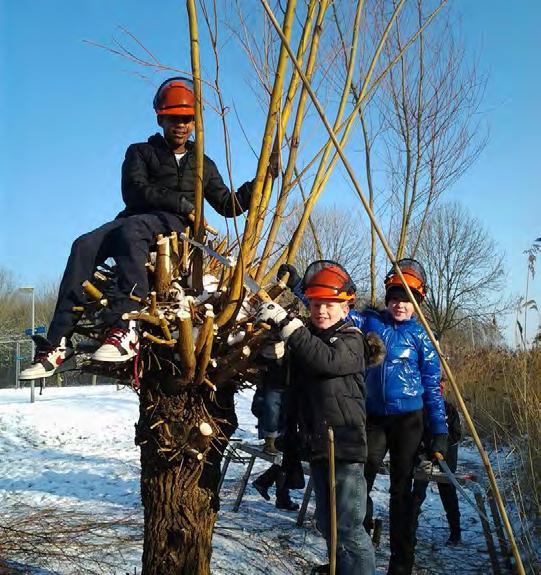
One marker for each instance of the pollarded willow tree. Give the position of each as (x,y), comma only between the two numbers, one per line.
(200,338)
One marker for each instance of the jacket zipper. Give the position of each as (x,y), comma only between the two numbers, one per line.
(385,371)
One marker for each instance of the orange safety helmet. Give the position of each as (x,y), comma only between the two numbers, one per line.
(415,277)
(175,97)
(325,279)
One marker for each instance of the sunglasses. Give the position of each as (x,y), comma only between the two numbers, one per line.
(174,119)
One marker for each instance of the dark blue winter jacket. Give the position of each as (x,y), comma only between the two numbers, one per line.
(409,377)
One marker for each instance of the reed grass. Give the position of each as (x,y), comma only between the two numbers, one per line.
(502,389)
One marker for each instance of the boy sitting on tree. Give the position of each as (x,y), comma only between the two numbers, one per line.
(158,188)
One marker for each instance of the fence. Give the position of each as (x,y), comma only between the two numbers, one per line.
(15,355)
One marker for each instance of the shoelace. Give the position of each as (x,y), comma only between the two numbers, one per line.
(115,335)
(42,355)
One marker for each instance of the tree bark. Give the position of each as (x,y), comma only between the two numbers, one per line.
(178,491)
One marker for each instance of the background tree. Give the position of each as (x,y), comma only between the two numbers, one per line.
(15,318)
(421,131)
(464,267)
(334,235)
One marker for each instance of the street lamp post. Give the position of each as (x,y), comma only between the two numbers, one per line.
(30,289)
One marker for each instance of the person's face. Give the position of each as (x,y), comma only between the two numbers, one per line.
(401,309)
(326,312)
(176,130)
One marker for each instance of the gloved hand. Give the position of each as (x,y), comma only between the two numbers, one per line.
(294,278)
(271,313)
(275,164)
(274,314)
(439,444)
(273,350)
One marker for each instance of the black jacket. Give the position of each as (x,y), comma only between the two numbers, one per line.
(327,389)
(152,181)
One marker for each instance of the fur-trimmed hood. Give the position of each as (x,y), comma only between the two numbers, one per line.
(374,349)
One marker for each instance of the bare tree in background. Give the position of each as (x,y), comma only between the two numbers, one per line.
(7,287)
(464,268)
(422,127)
(336,235)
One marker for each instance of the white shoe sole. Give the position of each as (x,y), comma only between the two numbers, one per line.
(39,372)
(112,357)
(35,375)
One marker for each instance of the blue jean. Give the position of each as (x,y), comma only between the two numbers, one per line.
(354,552)
(272,419)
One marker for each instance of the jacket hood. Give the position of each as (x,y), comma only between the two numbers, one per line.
(374,349)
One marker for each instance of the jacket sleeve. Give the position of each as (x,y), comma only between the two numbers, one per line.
(344,356)
(218,195)
(140,195)
(297,292)
(453,423)
(357,318)
(429,365)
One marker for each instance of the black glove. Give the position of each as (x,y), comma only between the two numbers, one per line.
(185,207)
(294,278)
(439,444)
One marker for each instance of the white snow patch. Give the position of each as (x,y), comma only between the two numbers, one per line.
(73,450)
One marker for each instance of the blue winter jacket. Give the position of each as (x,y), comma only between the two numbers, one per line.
(409,377)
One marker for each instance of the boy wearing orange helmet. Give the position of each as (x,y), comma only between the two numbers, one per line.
(327,364)
(398,390)
(158,189)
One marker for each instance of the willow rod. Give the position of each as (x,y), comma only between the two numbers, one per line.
(418,311)
(266,145)
(199,217)
(325,169)
(246,251)
(299,116)
(365,93)
(283,121)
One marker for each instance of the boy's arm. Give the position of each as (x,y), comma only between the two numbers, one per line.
(219,196)
(343,357)
(140,195)
(430,378)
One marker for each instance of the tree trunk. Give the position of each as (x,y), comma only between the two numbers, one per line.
(178,491)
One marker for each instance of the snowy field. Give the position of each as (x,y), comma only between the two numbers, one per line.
(70,458)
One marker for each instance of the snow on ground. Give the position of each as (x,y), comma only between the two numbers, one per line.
(72,453)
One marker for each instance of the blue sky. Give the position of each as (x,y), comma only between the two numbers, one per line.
(68,110)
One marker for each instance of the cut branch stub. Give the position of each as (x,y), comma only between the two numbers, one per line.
(204,353)
(93,292)
(185,346)
(162,272)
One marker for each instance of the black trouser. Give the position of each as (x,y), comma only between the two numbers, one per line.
(447,491)
(400,434)
(275,475)
(127,240)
